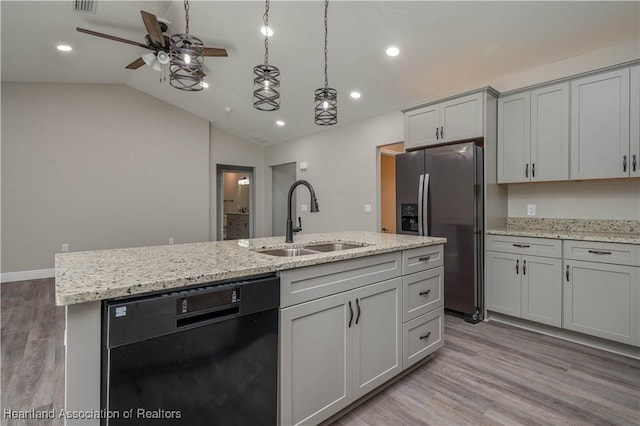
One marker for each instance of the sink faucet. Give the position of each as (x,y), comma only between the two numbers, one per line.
(314,208)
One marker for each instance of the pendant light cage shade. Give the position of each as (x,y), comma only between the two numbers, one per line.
(266,83)
(187,60)
(326,106)
(266,78)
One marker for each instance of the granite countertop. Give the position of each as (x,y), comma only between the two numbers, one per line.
(606,237)
(105,274)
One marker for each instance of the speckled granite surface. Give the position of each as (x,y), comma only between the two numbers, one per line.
(105,274)
(610,231)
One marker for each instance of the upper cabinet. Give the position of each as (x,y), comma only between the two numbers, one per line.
(533,135)
(456,119)
(600,126)
(634,145)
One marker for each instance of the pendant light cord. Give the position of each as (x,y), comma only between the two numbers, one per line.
(186,15)
(326,79)
(265,19)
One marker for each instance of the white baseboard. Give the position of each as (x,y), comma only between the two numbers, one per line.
(35,274)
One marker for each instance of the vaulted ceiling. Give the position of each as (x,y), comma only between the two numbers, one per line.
(444,47)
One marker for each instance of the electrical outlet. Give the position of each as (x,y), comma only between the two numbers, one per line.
(303,207)
(531,209)
(171,240)
(367,208)
(65,247)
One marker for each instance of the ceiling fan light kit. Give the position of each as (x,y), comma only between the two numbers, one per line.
(326,98)
(187,59)
(266,78)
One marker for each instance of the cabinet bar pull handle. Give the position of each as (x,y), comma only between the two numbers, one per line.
(426,336)
(437,133)
(533,169)
(624,163)
(524,267)
(522,245)
(633,162)
(350,314)
(567,273)
(441,132)
(517,266)
(424,258)
(599,252)
(425,293)
(358,317)
(526,170)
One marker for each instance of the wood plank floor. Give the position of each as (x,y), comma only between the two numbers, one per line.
(486,374)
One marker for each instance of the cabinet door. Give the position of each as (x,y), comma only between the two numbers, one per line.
(461,118)
(377,334)
(550,133)
(634,146)
(542,290)
(514,132)
(503,283)
(421,127)
(600,126)
(315,360)
(602,300)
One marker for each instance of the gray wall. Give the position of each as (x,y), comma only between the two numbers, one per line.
(343,169)
(98,166)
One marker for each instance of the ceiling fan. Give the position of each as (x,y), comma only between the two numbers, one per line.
(156,41)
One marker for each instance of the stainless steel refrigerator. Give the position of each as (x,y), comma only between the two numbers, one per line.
(439,192)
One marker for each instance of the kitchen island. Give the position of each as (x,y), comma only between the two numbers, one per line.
(400,264)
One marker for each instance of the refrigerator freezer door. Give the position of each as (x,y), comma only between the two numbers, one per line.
(452,214)
(409,168)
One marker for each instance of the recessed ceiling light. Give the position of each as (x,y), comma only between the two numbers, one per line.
(393,51)
(64,48)
(280,123)
(205,84)
(355,95)
(227,109)
(266,31)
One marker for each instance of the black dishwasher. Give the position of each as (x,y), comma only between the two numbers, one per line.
(204,356)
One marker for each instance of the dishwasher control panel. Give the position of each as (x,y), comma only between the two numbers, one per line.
(204,301)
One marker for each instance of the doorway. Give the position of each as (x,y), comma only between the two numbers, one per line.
(235,202)
(282,177)
(387,160)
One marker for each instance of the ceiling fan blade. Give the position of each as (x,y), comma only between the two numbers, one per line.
(110,37)
(214,51)
(153,27)
(135,64)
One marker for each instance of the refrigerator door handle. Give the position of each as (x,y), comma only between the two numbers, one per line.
(420,192)
(425,209)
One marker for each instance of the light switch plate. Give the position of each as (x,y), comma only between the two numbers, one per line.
(303,207)
(531,209)
(65,247)
(367,208)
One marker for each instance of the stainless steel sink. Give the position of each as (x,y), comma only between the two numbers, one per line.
(288,252)
(334,247)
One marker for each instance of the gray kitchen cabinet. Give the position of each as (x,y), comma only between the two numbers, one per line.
(602,290)
(521,284)
(451,120)
(634,136)
(337,348)
(533,135)
(600,126)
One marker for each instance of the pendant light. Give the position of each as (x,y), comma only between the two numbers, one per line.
(187,59)
(326,98)
(266,78)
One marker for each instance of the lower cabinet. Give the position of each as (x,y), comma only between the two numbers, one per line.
(338,348)
(525,286)
(602,300)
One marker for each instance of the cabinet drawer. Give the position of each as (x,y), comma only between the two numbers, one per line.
(619,254)
(422,292)
(312,282)
(525,245)
(422,258)
(422,336)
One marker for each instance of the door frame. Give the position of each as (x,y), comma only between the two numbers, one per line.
(220,170)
